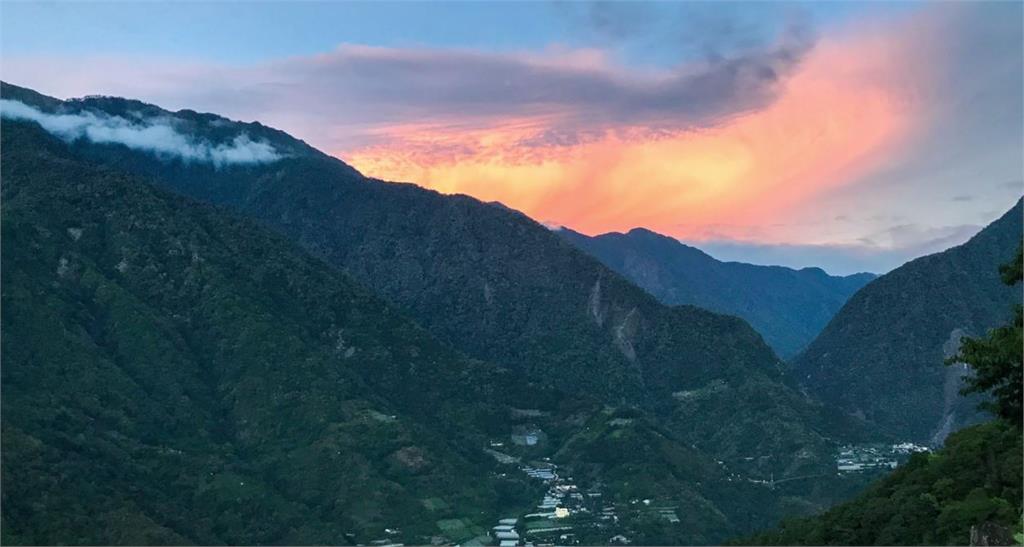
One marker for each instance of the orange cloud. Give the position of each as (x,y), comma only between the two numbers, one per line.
(846,109)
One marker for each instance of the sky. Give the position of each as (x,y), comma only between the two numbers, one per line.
(849,136)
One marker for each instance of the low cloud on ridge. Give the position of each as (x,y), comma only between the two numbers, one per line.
(153,135)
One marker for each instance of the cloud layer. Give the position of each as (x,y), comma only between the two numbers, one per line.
(151,135)
(757,138)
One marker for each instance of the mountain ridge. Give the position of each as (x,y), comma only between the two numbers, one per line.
(649,232)
(579,343)
(881,355)
(787,306)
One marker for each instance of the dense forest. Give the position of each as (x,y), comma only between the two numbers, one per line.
(261,395)
(290,352)
(173,375)
(502,288)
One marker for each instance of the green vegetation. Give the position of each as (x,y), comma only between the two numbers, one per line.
(175,375)
(934,499)
(788,307)
(502,288)
(995,360)
(172,375)
(192,378)
(974,482)
(881,357)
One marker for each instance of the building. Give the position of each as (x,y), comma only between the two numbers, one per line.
(528,437)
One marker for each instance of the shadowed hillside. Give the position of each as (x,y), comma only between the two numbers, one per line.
(881,357)
(788,307)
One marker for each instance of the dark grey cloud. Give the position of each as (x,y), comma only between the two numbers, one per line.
(687,31)
(718,66)
(413,85)
(962,65)
(612,21)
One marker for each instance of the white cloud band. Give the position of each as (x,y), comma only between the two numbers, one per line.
(153,135)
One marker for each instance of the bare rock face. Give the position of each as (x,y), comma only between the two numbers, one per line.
(952,383)
(787,307)
(990,533)
(595,303)
(412,458)
(625,333)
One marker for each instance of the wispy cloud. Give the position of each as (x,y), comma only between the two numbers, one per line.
(879,253)
(362,89)
(152,135)
(750,136)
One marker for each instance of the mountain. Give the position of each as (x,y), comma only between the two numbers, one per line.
(556,342)
(880,358)
(788,307)
(173,375)
(484,278)
(968,491)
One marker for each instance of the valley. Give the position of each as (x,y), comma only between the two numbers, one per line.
(281,350)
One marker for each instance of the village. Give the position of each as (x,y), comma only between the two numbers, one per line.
(568,514)
(564,511)
(867,457)
(557,514)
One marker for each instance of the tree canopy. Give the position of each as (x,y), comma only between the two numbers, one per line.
(996,359)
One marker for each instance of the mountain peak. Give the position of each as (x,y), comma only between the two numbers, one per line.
(185,134)
(788,307)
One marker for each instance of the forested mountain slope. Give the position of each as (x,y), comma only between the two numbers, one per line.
(881,356)
(568,346)
(934,499)
(970,491)
(788,307)
(492,282)
(172,375)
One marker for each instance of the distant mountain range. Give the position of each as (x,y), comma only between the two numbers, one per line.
(881,357)
(189,313)
(788,307)
(215,333)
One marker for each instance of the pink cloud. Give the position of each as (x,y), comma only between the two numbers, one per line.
(726,148)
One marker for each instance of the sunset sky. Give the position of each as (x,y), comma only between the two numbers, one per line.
(847,136)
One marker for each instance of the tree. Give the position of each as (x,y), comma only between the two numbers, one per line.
(997,358)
